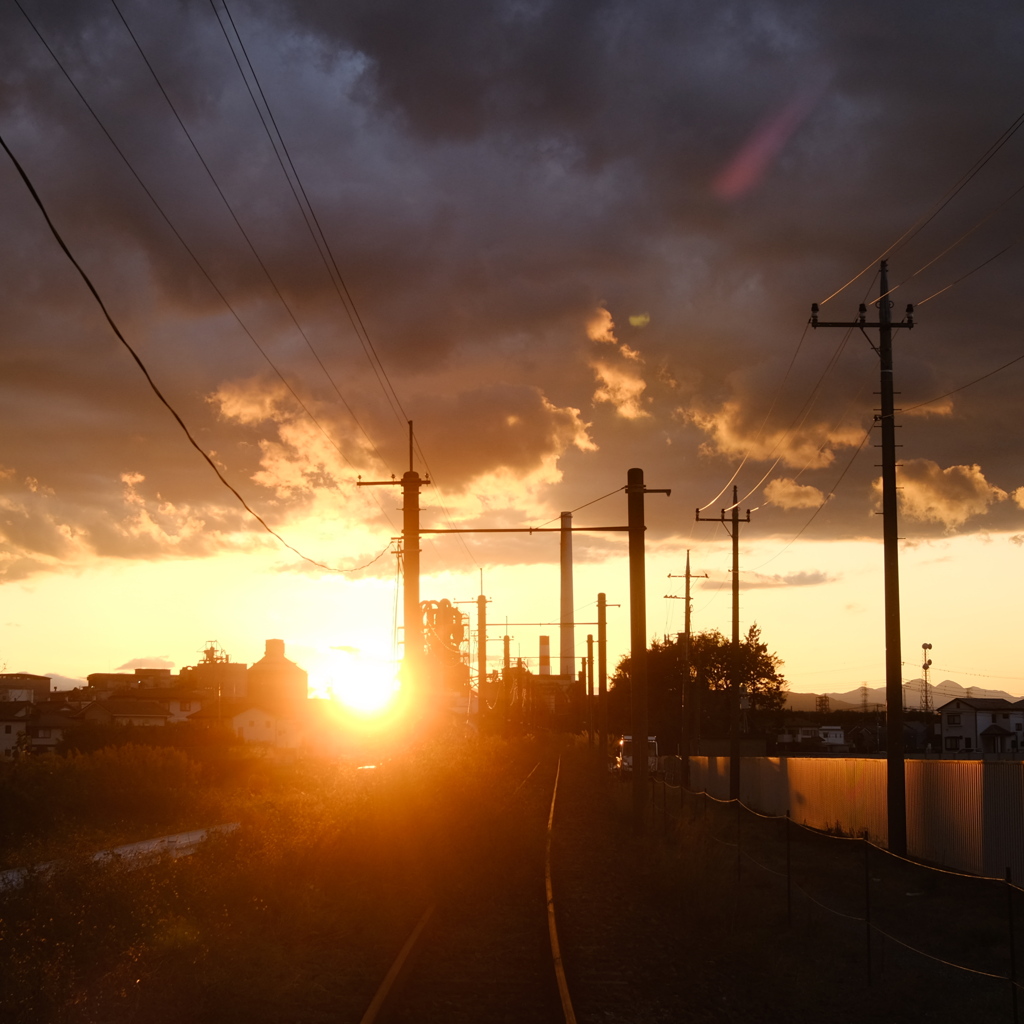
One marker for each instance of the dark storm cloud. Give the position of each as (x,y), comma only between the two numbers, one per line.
(490,176)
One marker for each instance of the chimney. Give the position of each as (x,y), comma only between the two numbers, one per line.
(275,649)
(545,655)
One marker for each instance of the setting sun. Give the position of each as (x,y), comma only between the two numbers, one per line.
(362,683)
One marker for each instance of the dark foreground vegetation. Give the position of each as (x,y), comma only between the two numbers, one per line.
(297,915)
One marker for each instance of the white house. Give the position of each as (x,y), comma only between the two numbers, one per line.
(982,725)
(13,725)
(251,723)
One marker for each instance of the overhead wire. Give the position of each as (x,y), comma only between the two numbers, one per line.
(964,277)
(309,215)
(940,205)
(322,243)
(152,384)
(188,249)
(771,408)
(586,504)
(969,384)
(245,235)
(963,237)
(824,502)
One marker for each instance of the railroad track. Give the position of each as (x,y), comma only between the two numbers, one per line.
(486,960)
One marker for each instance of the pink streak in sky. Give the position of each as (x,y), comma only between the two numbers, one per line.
(755,156)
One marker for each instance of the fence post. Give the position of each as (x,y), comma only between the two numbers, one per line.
(1013,943)
(789,874)
(867,902)
(739,848)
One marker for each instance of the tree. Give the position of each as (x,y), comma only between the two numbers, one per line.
(763,686)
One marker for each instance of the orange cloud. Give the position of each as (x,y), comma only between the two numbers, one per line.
(730,435)
(622,387)
(787,493)
(948,496)
(601,327)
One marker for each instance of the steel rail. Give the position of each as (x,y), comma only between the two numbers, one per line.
(556,952)
(398,970)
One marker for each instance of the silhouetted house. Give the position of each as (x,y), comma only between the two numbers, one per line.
(22,686)
(277,683)
(177,701)
(105,684)
(46,727)
(125,711)
(829,739)
(14,719)
(251,723)
(982,725)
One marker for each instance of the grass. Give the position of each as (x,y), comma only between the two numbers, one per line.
(803,946)
(293,917)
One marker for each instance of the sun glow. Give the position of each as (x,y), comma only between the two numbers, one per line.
(361,683)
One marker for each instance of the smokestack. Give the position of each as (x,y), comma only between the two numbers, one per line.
(545,655)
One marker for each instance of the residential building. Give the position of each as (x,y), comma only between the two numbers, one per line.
(22,686)
(125,711)
(982,725)
(820,738)
(14,716)
(251,723)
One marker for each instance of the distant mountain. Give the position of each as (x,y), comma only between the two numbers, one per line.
(809,702)
(854,700)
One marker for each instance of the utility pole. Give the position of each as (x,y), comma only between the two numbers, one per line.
(635,491)
(896,793)
(734,521)
(687,695)
(411,615)
(481,650)
(590,689)
(566,629)
(602,672)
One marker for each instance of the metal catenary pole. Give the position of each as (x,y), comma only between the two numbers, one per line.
(412,617)
(635,491)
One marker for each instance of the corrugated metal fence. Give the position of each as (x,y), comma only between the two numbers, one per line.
(965,815)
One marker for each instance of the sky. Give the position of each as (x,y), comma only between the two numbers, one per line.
(564,239)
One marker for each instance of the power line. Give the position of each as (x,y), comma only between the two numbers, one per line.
(771,409)
(824,502)
(324,247)
(312,221)
(940,205)
(586,504)
(159,394)
(242,231)
(188,249)
(964,277)
(969,384)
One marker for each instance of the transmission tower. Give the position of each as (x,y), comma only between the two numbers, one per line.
(926,693)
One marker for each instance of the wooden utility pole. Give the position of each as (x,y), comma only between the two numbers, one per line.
(590,689)
(635,491)
(688,691)
(602,673)
(886,419)
(734,521)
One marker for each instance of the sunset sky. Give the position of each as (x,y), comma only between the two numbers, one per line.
(572,238)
